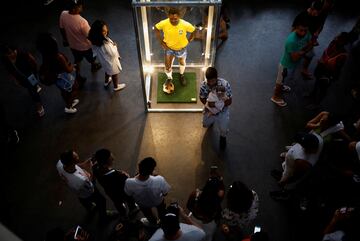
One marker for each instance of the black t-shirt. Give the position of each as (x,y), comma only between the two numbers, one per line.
(113,182)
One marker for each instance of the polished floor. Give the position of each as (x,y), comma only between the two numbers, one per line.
(34,200)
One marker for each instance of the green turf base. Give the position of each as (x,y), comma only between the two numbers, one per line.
(182,94)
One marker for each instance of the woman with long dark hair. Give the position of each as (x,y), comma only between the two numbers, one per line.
(107,52)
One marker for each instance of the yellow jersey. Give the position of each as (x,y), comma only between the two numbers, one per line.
(175,36)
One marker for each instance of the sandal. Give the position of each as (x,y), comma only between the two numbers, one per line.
(280,102)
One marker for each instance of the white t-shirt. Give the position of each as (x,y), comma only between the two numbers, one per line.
(108,56)
(335,236)
(357,148)
(297,152)
(189,233)
(79,181)
(149,193)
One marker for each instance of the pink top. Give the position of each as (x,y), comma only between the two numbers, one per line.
(76,29)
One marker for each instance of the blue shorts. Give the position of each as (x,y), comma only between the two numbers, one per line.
(182,53)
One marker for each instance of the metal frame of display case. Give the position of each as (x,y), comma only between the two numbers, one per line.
(146,70)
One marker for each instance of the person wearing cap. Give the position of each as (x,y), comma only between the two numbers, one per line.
(74,30)
(174,41)
(301,157)
(172,229)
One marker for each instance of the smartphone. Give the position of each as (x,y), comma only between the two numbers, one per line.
(257,229)
(343,210)
(77,233)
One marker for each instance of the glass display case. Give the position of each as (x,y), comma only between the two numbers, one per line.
(204,16)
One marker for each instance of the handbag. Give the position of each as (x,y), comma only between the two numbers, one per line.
(65,81)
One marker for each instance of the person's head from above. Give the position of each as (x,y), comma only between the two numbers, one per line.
(75,6)
(69,158)
(211,76)
(343,39)
(315,8)
(174,16)
(220,91)
(212,190)
(170,223)
(301,28)
(239,197)
(147,166)
(98,32)
(47,44)
(104,157)
(8,52)
(308,141)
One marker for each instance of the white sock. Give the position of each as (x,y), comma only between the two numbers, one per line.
(182,69)
(169,74)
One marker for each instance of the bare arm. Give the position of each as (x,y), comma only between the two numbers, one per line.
(66,65)
(192,36)
(295,56)
(203,100)
(315,122)
(160,39)
(64,37)
(228,102)
(186,219)
(32,63)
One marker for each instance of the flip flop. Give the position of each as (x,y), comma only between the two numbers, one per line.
(280,103)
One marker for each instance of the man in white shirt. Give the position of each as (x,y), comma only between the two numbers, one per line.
(172,229)
(78,177)
(147,190)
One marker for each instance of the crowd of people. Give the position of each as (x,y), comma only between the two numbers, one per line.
(203,218)
(90,42)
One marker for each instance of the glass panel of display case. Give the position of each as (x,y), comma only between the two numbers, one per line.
(204,16)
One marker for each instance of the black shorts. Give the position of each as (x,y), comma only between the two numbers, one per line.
(79,55)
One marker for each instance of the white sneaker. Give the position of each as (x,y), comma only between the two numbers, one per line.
(75,102)
(120,87)
(38,88)
(106,84)
(145,221)
(70,110)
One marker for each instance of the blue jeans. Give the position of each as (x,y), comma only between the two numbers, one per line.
(221,120)
(182,53)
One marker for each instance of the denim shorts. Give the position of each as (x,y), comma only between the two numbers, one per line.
(182,53)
